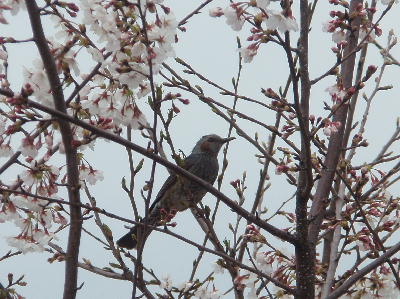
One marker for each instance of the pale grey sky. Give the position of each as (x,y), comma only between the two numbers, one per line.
(209,45)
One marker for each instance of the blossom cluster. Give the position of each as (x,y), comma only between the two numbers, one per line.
(380,283)
(126,46)
(265,22)
(197,290)
(341,23)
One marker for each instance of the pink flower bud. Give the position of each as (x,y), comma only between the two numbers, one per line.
(184,101)
(73,7)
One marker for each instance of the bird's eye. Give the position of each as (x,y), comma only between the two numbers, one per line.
(211,139)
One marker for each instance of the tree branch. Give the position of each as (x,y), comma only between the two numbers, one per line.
(364,271)
(285,236)
(71,259)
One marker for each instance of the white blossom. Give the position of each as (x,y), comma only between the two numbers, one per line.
(328,26)
(264,263)
(338,36)
(3,54)
(29,177)
(42,237)
(24,245)
(234,19)
(166,282)
(248,53)
(337,93)
(91,175)
(8,213)
(363,34)
(216,12)
(185,286)
(217,268)
(277,21)
(32,204)
(96,54)
(36,77)
(6,150)
(204,293)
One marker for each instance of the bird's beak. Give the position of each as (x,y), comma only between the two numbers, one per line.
(225,140)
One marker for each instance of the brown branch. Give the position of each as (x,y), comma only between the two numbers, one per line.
(320,201)
(90,267)
(362,272)
(10,162)
(285,236)
(331,242)
(305,252)
(165,231)
(194,12)
(71,259)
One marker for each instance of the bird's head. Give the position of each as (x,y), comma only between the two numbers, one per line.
(210,144)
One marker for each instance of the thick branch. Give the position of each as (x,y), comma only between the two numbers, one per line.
(320,201)
(71,259)
(305,260)
(285,236)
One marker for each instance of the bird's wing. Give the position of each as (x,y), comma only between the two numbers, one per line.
(187,165)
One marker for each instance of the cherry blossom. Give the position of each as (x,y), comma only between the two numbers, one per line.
(96,54)
(3,20)
(24,244)
(264,262)
(331,128)
(6,150)
(31,177)
(216,12)
(32,204)
(60,219)
(234,17)
(217,268)
(368,34)
(329,26)
(279,169)
(37,79)
(15,5)
(277,21)
(203,293)
(166,282)
(3,122)
(249,52)
(247,279)
(8,212)
(185,286)
(3,55)
(90,175)
(336,92)
(338,36)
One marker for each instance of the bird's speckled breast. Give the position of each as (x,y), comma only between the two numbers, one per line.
(186,193)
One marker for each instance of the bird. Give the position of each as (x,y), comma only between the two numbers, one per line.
(179,193)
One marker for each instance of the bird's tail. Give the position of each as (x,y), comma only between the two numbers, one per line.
(129,241)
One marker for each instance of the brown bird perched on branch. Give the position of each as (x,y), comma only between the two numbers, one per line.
(179,193)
